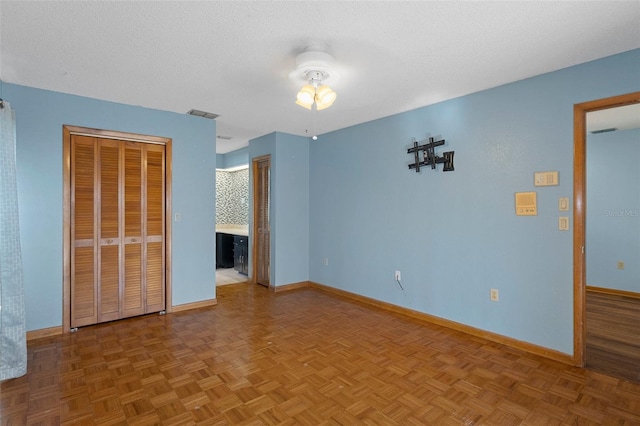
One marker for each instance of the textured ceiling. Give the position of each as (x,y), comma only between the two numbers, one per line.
(233,57)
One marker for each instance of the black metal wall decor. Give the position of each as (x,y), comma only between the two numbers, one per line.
(429,157)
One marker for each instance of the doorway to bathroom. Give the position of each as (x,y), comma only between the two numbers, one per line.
(232,225)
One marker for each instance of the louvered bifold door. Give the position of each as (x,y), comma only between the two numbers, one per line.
(154,228)
(117,229)
(84,220)
(110,252)
(262,263)
(133,292)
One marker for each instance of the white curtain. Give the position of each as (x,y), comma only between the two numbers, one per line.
(13,341)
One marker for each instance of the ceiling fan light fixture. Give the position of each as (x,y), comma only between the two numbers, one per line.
(324,97)
(314,66)
(306,96)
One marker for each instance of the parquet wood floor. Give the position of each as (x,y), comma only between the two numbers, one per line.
(301,357)
(613,334)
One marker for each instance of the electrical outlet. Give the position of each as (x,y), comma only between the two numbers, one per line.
(620,264)
(325,262)
(398,276)
(494,295)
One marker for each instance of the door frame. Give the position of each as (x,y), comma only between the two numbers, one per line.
(579,213)
(67,132)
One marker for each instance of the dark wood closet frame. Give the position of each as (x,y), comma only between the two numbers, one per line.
(67,132)
(579,214)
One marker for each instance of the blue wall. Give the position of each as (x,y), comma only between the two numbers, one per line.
(289,209)
(455,235)
(239,157)
(613,210)
(292,209)
(40,116)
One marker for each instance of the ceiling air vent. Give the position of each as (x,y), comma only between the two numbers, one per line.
(203,114)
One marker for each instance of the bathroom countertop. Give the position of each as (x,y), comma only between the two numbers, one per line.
(242,230)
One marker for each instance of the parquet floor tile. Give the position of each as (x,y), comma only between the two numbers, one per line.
(612,337)
(302,357)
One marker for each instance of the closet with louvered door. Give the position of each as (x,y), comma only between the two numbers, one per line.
(262,228)
(117,224)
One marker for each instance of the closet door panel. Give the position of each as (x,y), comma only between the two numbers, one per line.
(83,231)
(262,175)
(155,223)
(132,190)
(109,189)
(117,229)
(133,297)
(109,282)
(155,277)
(133,184)
(83,188)
(83,295)
(155,191)
(109,304)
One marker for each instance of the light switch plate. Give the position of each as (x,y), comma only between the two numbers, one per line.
(563,204)
(545,178)
(563,223)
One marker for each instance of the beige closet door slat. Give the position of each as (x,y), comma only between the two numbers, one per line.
(83,231)
(133,294)
(155,225)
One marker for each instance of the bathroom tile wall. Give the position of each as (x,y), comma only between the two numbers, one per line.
(232,197)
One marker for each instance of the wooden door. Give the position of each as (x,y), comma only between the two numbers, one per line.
(132,286)
(84,161)
(109,238)
(155,247)
(117,224)
(262,230)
